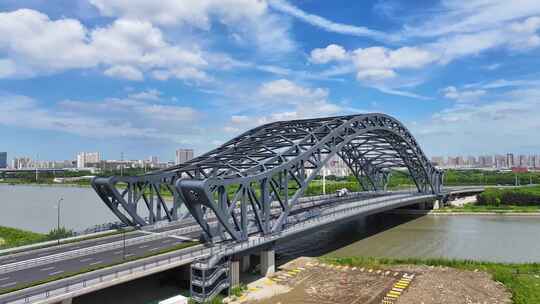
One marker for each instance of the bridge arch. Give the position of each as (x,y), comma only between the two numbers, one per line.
(252,182)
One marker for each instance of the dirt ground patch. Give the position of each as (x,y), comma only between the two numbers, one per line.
(450,285)
(306,281)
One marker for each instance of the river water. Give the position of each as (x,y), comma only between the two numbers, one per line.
(34,207)
(488,238)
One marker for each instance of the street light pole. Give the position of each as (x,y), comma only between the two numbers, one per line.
(58,219)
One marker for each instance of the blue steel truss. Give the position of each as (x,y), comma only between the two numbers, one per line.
(265,169)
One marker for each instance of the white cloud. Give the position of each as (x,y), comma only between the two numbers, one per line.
(451,92)
(286,91)
(34,44)
(126,49)
(332,52)
(246,19)
(318,21)
(124,72)
(473,16)
(505,124)
(110,118)
(267,104)
(503,83)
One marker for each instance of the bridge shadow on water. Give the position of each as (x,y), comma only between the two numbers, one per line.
(321,241)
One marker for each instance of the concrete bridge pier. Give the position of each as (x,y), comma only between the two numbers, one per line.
(239,264)
(268,262)
(235,272)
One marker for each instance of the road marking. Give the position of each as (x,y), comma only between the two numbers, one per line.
(5,278)
(48,268)
(118,252)
(8,284)
(56,272)
(144,246)
(155,248)
(129,254)
(85,260)
(166,241)
(95,263)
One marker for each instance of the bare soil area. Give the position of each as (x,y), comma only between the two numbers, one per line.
(306,281)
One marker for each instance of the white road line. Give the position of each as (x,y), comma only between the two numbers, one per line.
(46,269)
(166,241)
(8,284)
(183,238)
(144,246)
(5,278)
(155,248)
(129,254)
(56,272)
(95,263)
(118,252)
(85,260)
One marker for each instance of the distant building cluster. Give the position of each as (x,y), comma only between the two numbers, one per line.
(93,161)
(3,160)
(183,155)
(508,161)
(85,158)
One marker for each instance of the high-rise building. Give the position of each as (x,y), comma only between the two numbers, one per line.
(3,160)
(438,161)
(471,161)
(83,158)
(22,163)
(183,155)
(523,161)
(500,162)
(510,160)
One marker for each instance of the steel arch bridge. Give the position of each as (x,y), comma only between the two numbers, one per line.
(265,169)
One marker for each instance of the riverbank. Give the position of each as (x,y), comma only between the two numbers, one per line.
(6,183)
(462,213)
(410,281)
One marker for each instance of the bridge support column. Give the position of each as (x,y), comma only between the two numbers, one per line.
(66,301)
(437,204)
(235,273)
(245,263)
(268,262)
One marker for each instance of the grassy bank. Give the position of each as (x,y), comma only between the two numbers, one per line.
(523,280)
(11,237)
(497,209)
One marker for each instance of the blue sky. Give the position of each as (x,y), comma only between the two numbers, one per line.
(147,77)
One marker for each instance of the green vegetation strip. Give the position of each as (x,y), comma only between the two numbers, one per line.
(12,237)
(522,196)
(97,267)
(523,280)
(494,209)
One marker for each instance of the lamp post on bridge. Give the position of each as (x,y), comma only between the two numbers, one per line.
(58,219)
